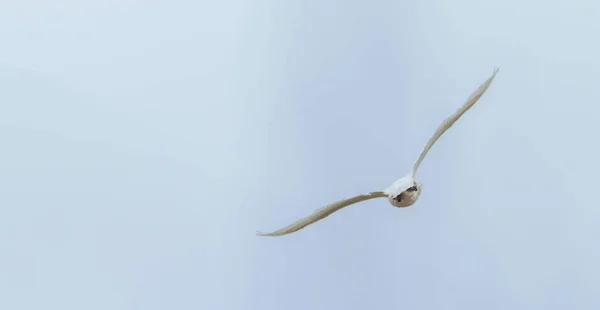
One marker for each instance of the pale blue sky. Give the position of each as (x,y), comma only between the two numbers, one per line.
(144,142)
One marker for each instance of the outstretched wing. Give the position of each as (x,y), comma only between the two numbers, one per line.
(322,213)
(452,119)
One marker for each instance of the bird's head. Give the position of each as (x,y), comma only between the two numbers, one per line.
(404,192)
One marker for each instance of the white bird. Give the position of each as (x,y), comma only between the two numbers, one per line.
(402,193)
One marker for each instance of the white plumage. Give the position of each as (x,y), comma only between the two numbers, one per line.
(402,193)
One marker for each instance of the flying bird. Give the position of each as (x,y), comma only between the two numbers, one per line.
(405,191)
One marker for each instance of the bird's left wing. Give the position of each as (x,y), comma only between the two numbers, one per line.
(448,122)
(323,213)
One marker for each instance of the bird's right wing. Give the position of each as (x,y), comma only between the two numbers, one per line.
(448,122)
(323,213)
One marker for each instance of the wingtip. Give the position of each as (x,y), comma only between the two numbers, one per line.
(259,233)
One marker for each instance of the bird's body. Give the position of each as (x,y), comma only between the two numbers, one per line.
(405,191)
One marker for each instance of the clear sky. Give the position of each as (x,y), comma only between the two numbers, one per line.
(144,143)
